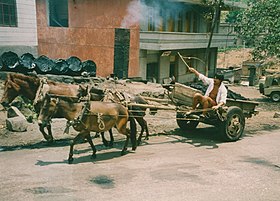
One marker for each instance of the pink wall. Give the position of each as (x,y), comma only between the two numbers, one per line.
(90,34)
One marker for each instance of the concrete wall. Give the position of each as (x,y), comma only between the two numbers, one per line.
(23,38)
(90,34)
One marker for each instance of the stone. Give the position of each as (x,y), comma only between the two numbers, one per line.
(17,124)
(14,112)
(276,115)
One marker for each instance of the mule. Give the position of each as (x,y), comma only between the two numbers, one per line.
(89,116)
(135,111)
(30,87)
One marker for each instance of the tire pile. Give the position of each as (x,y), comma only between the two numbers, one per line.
(73,66)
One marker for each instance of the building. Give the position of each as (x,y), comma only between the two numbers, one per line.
(18,27)
(130,38)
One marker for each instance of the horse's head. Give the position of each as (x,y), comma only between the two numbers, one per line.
(11,91)
(48,109)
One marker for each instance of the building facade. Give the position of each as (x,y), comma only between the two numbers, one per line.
(18,26)
(128,38)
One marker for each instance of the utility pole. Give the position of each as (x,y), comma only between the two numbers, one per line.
(215,18)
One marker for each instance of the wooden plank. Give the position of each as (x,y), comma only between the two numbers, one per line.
(159,107)
(183,94)
(159,100)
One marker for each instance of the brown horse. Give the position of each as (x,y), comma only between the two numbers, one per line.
(28,86)
(89,116)
(135,111)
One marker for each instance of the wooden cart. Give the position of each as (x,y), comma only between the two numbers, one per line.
(229,119)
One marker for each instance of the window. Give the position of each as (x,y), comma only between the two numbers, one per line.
(180,21)
(8,14)
(58,13)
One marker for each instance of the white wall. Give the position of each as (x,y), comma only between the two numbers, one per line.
(23,37)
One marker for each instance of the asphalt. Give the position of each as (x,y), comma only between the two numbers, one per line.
(165,168)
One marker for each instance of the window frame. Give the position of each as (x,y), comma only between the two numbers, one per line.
(52,21)
(10,12)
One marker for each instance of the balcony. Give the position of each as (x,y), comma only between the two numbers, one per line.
(151,40)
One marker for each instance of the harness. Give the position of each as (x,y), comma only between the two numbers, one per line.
(78,121)
(117,97)
(41,91)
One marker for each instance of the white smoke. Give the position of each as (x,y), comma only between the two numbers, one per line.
(133,15)
(140,12)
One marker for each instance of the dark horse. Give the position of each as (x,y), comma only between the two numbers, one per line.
(89,116)
(136,112)
(29,86)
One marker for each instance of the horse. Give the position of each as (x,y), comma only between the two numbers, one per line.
(89,116)
(136,112)
(30,87)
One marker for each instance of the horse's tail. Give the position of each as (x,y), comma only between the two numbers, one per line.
(133,132)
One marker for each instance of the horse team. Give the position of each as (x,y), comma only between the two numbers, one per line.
(83,107)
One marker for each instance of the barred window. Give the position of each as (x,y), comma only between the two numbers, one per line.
(58,13)
(8,13)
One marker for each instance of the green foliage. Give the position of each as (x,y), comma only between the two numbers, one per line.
(259,26)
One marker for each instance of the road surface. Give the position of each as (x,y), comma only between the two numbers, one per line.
(166,168)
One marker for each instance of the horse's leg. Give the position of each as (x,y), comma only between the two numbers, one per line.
(46,136)
(80,136)
(49,128)
(143,123)
(105,142)
(111,138)
(92,146)
(121,126)
(125,145)
(133,133)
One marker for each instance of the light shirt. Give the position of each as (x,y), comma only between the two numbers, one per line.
(222,92)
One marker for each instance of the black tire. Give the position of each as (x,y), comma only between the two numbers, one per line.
(275,96)
(185,125)
(232,128)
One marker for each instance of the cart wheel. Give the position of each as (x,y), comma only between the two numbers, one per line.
(185,125)
(275,96)
(232,128)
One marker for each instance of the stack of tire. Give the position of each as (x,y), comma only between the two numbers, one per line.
(73,66)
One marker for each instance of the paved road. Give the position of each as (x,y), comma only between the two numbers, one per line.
(167,168)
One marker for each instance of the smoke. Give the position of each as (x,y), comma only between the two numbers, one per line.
(139,11)
(133,15)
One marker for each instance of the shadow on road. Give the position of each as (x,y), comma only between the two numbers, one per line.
(200,137)
(86,158)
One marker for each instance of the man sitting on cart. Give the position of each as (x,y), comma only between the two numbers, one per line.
(215,95)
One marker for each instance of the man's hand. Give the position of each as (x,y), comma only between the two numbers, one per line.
(192,70)
(215,107)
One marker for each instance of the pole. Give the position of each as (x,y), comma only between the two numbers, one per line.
(214,22)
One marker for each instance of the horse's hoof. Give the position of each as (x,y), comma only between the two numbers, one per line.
(134,148)
(123,152)
(93,156)
(49,139)
(70,160)
(105,143)
(111,144)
